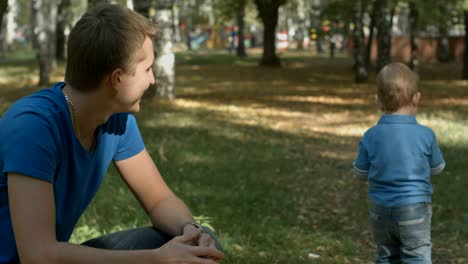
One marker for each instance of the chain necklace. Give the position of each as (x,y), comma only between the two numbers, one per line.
(75,121)
(73,110)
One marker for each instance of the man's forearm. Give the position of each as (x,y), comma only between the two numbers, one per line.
(170,215)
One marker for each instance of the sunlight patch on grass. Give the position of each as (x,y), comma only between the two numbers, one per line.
(452,101)
(448,131)
(285,120)
(321,99)
(337,155)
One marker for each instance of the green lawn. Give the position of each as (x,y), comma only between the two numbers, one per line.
(264,156)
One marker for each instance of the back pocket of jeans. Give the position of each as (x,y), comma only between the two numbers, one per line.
(414,233)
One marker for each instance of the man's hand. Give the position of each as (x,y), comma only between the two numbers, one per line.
(204,240)
(180,250)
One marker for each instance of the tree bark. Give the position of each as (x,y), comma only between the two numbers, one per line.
(164,63)
(465,52)
(413,17)
(142,7)
(301,24)
(268,11)
(360,72)
(370,39)
(383,34)
(188,24)
(44,30)
(3,25)
(93,3)
(60,39)
(443,47)
(3,10)
(240,52)
(9,25)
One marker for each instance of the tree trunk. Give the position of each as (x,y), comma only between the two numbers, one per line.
(240,52)
(3,26)
(301,9)
(443,47)
(9,24)
(60,39)
(129,4)
(93,3)
(268,11)
(383,35)
(413,29)
(359,69)
(188,24)
(3,10)
(465,52)
(317,24)
(44,35)
(164,63)
(175,25)
(370,39)
(142,7)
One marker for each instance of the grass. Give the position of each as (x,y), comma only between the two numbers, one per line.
(264,156)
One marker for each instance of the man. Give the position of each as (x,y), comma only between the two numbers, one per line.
(56,145)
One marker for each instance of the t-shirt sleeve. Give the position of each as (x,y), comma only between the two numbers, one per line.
(29,147)
(361,164)
(131,142)
(436,159)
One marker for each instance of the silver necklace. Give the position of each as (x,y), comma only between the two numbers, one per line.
(73,110)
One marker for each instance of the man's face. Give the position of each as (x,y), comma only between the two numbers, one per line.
(133,84)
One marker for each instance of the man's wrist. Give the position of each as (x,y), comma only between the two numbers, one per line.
(193,223)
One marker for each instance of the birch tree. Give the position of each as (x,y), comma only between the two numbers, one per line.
(44,13)
(164,63)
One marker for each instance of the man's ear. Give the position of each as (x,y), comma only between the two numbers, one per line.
(379,104)
(116,77)
(416,98)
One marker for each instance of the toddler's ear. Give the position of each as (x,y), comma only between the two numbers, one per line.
(379,104)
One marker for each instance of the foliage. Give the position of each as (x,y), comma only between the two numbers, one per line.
(266,154)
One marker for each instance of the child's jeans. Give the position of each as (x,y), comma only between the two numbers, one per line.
(402,234)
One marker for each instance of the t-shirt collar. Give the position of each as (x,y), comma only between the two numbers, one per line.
(398,119)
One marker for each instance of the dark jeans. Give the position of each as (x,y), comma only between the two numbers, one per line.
(138,238)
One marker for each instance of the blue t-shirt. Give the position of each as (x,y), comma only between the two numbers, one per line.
(397,157)
(37,140)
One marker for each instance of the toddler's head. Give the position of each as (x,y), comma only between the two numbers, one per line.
(397,89)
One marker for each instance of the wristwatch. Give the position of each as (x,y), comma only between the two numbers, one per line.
(197,225)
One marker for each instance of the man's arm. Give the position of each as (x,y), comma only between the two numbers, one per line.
(33,217)
(168,213)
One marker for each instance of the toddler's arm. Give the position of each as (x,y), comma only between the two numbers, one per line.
(360,173)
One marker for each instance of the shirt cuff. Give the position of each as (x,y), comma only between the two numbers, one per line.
(438,169)
(359,173)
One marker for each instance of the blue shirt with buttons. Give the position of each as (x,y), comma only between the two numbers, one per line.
(397,157)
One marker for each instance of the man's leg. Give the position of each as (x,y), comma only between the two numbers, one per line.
(138,238)
(132,239)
